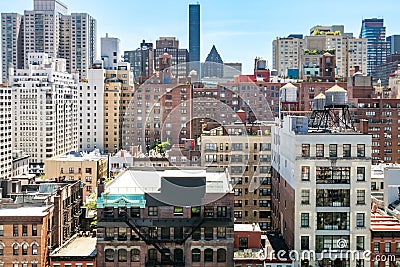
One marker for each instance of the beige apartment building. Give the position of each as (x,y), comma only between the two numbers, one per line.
(118,95)
(245,151)
(88,168)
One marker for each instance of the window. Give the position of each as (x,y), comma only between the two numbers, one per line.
(360,220)
(361,150)
(1,250)
(243,243)
(153,211)
(15,249)
(319,152)
(237,146)
(208,255)
(24,249)
(221,232)
(122,257)
(361,197)
(178,255)
(196,255)
(208,211)
(135,255)
(109,255)
(221,211)
(1,230)
(221,255)
(376,247)
(360,173)
(305,150)
(34,230)
(152,254)
(305,196)
(360,243)
(346,151)
(196,234)
(305,173)
(208,233)
(332,175)
(109,233)
(387,247)
(178,211)
(24,230)
(211,147)
(178,232)
(34,249)
(333,221)
(333,150)
(305,242)
(15,230)
(305,220)
(165,233)
(122,233)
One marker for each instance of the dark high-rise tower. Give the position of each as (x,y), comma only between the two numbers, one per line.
(194,34)
(374,31)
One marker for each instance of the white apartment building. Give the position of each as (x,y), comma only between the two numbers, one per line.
(287,54)
(91,109)
(6,134)
(45,109)
(49,29)
(321,186)
(110,52)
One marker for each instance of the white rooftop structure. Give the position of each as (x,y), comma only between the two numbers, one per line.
(149,180)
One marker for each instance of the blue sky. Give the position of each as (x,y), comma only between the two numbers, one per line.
(240,30)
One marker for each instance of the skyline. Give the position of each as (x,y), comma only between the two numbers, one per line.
(240,34)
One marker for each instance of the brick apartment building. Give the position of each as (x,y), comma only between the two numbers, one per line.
(144,219)
(385,239)
(25,235)
(244,150)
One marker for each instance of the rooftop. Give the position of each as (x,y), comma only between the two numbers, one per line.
(25,211)
(141,180)
(381,221)
(79,156)
(247,227)
(77,247)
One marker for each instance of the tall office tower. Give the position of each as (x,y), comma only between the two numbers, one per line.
(91,111)
(12,42)
(194,36)
(110,52)
(394,44)
(6,133)
(375,32)
(141,61)
(245,151)
(45,109)
(49,29)
(180,56)
(287,54)
(213,66)
(321,189)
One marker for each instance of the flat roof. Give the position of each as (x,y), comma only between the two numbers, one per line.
(247,227)
(24,211)
(77,247)
(143,180)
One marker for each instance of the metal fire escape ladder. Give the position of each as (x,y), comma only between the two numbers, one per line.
(154,243)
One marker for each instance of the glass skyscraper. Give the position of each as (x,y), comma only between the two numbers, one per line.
(194,35)
(375,32)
